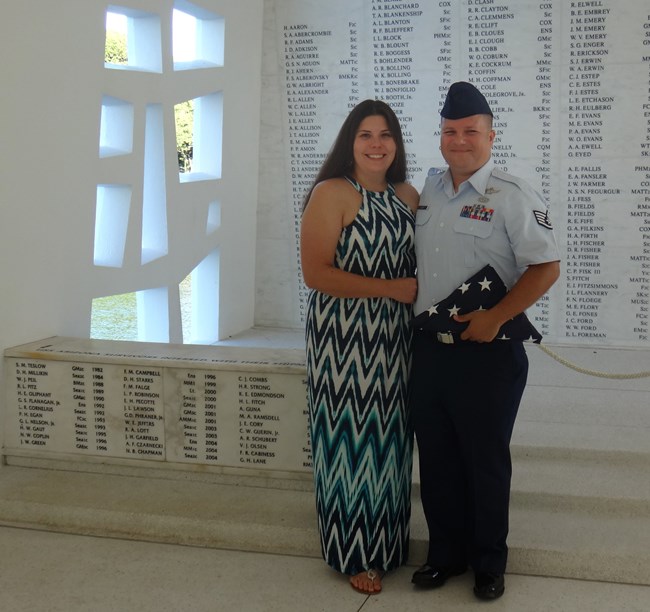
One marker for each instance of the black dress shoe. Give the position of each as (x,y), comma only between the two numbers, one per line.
(489,586)
(433,577)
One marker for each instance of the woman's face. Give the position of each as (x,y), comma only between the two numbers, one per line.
(374,146)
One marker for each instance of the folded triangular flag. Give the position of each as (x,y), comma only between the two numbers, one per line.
(480,292)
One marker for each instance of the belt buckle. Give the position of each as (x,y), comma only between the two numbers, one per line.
(445,337)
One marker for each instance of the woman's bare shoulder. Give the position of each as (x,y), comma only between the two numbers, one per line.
(334,191)
(335,197)
(333,186)
(408,194)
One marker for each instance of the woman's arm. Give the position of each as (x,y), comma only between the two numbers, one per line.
(332,206)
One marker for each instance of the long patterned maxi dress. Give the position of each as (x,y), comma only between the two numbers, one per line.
(357,372)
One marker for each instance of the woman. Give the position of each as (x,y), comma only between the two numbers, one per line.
(358,259)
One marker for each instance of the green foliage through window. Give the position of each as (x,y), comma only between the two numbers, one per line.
(184,115)
(116,49)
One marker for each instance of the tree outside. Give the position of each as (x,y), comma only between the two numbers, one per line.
(184,119)
(116,48)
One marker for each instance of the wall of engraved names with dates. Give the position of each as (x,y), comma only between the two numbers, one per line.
(203,405)
(569,83)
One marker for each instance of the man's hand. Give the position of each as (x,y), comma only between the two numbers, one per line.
(483,326)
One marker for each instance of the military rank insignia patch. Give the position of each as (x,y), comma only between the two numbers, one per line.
(542,218)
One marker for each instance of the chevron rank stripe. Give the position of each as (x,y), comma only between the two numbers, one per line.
(541,216)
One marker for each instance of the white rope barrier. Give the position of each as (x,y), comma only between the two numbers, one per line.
(589,372)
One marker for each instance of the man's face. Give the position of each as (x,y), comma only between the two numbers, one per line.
(466,143)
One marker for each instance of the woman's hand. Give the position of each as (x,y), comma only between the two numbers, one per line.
(403,290)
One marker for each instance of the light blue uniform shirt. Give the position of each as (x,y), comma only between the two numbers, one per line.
(495,218)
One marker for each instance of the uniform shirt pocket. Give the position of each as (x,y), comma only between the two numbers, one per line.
(423,215)
(469,231)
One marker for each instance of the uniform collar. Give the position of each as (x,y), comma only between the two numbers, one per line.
(478,180)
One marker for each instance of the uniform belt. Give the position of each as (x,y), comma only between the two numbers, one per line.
(441,337)
(444,337)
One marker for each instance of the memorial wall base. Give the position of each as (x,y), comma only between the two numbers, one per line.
(580,500)
(217,413)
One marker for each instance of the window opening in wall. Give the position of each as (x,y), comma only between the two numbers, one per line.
(154,193)
(185,296)
(115,50)
(184,116)
(183,37)
(207,134)
(111,224)
(114,317)
(116,127)
(199,295)
(198,37)
(214,217)
(133,40)
(133,43)
(153,315)
(138,316)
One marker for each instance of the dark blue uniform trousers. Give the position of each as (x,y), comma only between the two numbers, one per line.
(464,400)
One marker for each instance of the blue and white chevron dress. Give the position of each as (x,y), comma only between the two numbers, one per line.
(358,357)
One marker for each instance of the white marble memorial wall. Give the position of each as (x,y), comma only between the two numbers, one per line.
(569,85)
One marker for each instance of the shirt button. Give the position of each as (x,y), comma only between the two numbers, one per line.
(435,275)
(442,225)
(437,249)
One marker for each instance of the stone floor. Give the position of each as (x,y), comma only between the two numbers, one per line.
(50,572)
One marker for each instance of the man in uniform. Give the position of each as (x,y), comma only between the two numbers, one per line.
(466,390)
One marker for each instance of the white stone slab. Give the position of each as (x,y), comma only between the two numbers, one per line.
(228,406)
